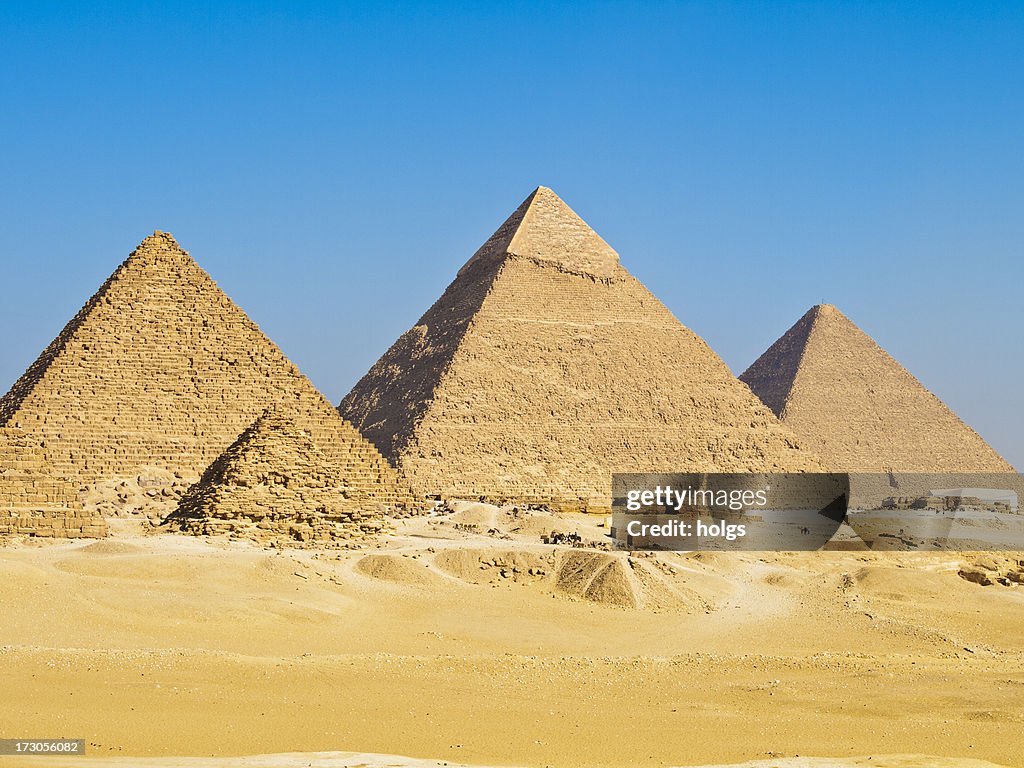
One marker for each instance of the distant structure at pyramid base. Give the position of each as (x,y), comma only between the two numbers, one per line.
(275,484)
(33,502)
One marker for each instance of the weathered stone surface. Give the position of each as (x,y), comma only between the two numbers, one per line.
(857,408)
(152,494)
(274,483)
(33,501)
(161,369)
(545,366)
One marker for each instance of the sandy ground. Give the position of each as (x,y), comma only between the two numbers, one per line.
(357,760)
(465,641)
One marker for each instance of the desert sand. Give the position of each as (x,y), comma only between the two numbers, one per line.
(357,760)
(462,639)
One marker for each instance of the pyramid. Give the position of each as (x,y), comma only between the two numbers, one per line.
(545,366)
(161,369)
(274,482)
(33,501)
(857,408)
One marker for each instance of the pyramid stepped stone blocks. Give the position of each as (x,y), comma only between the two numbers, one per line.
(161,369)
(545,366)
(859,409)
(33,501)
(274,483)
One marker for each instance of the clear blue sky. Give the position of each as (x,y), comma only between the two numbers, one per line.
(333,167)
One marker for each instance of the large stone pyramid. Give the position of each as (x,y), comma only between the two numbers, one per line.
(545,366)
(859,409)
(161,369)
(272,483)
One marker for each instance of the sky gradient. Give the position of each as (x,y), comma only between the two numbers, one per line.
(332,166)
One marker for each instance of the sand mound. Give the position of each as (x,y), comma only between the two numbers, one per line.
(140,567)
(400,569)
(109,548)
(490,566)
(672,588)
(612,579)
(474,513)
(533,522)
(613,585)
(598,577)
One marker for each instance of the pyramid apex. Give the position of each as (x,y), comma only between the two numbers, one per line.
(159,238)
(545,229)
(826,310)
(159,245)
(827,314)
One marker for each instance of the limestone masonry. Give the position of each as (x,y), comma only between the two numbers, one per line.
(857,408)
(161,369)
(33,501)
(545,366)
(274,483)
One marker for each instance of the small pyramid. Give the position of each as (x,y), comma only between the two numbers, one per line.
(161,369)
(274,482)
(857,408)
(545,366)
(33,501)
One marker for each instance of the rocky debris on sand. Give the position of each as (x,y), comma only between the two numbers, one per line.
(989,570)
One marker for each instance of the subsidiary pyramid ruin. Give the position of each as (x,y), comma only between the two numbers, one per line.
(272,483)
(545,366)
(161,369)
(857,408)
(33,501)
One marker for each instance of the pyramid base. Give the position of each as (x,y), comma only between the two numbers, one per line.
(52,524)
